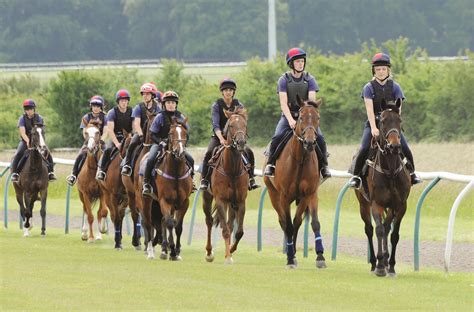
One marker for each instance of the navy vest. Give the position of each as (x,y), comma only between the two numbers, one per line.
(123,121)
(294,88)
(382,94)
(30,123)
(100,119)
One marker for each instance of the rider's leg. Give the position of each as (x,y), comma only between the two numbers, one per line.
(323,158)
(20,151)
(190,162)
(411,166)
(205,163)
(125,164)
(281,127)
(51,175)
(361,156)
(71,179)
(104,160)
(251,159)
(150,163)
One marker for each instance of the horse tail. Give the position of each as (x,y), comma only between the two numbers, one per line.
(215,217)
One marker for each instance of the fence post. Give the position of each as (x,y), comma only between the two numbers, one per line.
(305,241)
(5,201)
(260,212)
(193,217)
(68,199)
(416,239)
(336,220)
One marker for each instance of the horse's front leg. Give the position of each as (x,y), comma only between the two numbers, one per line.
(369,229)
(102,215)
(221,214)
(27,214)
(316,226)
(118,226)
(148,227)
(285,221)
(240,225)
(377,213)
(395,237)
(387,227)
(44,196)
(136,221)
(180,213)
(207,208)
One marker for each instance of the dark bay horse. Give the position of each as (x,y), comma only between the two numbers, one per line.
(388,186)
(33,183)
(134,187)
(174,185)
(229,186)
(297,179)
(88,187)
(113,190)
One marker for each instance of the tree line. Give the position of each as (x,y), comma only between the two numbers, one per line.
(437,107)
(220,30)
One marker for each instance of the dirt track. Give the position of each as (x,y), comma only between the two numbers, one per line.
(431,253)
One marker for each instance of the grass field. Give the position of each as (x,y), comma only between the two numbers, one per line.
(60,272)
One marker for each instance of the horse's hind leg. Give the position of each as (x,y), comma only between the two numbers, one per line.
(136,221)
(387,226)
(179,226)
(240,226)
(377,212)
(119,215)
(90,219)
(285,219)
(395,237)
(19,199)
(318,240)
(44,196)
(369,229)
(207,208)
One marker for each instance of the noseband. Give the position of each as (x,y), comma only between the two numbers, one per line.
(234,137)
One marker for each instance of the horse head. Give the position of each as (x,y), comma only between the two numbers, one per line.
(178,137)
(37,141)
(307,123)
(149,119)
(92,138)
(235,129)
(390,127)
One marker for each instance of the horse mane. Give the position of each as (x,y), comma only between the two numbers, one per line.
(392,107)
(94,123)
(241,111)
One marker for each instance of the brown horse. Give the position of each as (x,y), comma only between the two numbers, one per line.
(134,187)
(33,183)
(388,186)
(88,187)
(173,187)
(229,186)
(297,179)
(114,192)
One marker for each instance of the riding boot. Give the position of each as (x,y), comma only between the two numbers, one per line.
(321,150)
(249,161)
(190,163)
(15,177)
(150,163)
(270,167)
(51,175)
(355,181)
(414,178)
(125,164)
(101,165)
(204,174)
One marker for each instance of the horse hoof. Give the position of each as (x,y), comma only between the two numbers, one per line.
(138,247)
(228,260)
(321,264)
(43,234)
(175,258)
(210,258)
(98,237)
(392,274)
(150,257)
(90,240)
(84,238)
(291,266)
(26,233)
(118,248)
(380,272)
(163,256)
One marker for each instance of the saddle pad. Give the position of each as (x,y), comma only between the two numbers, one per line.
(141,171)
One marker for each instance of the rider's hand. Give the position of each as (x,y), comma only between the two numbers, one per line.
(118,145)
(292,123)
(375,132)
(223,141)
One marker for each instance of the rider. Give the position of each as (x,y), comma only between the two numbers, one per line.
(293,83)
(25,124)
(150,104)
(381,88)
(96,115)
(227,102)
(160,129)
(118,119)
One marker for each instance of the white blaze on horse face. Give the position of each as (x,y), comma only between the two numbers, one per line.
(181,148)
(42,143)
(91,132)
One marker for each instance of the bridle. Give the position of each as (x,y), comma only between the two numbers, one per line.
(301,137)
(234,138)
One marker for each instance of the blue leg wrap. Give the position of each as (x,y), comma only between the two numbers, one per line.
(318,241)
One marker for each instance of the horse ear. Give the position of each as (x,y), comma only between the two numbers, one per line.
(227,113)
(318,102)
(299,100)
(185,121)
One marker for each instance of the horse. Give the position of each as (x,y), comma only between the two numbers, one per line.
(388,185)
(114,192)
(88,187)
(134,188)
(174,185)
(33,183)
(297,179)
(229,186)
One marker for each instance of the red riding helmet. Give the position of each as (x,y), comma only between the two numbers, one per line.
(293,54)
(227,83)
(381,59)
(97,100)
(122,94)
(148,88)
(29,103)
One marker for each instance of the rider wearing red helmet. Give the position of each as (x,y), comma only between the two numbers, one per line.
(25,124)
(291,84)
(96,115)
(227,102)
(382,88)
(118,121)
(149,105)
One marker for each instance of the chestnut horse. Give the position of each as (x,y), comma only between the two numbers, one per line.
(114,192)
(33,183)
(388,186)
(87,185)
(134,187)
(297,179)
(229,186)
(173,187)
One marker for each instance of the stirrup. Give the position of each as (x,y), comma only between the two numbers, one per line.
(355,182)
(71,179)
(269,171)
(126,171)
(52,176)
(147,190)
(252,184)
(415,179)
(15,177)
(100,175)
(204,185)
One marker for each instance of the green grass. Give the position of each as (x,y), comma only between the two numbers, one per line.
(63,273)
